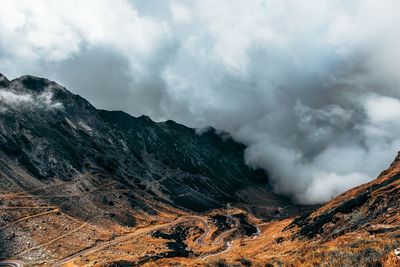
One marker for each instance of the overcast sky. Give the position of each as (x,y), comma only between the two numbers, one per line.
(311,87)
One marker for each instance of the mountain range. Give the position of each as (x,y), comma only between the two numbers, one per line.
(80,186)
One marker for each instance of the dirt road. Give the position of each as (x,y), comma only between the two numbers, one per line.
(11,263)
(139,232)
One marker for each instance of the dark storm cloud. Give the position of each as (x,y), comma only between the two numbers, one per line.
(311,87)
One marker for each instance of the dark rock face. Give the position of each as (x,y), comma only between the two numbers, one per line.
(176,244)
(3,81)
(54,134)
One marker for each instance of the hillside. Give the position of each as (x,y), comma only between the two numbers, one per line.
(86,187)
(361,227)
(66,164)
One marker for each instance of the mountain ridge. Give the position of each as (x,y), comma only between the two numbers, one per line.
(84,186)
(107,169)
(76,119)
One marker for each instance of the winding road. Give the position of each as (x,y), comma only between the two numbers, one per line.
(98,247)
(54,240)
(129,236)
(106,244)
(228,246)
(223,235)
(200,240)
(139,232)
(11,263)
(29,217)
(117,240)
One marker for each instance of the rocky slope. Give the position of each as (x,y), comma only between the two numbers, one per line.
(105,168)
(52,133)
(373,207)
(86,187)
(361,227)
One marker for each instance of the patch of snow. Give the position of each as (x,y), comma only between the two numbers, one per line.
(124,145)
(85,126)
(70,123)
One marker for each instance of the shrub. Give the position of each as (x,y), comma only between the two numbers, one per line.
(220,263)
(245,262)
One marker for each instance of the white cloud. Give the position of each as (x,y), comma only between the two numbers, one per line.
(180,12)
(10,99)
(329,185)
(381,109)
(50,31)
(312,87)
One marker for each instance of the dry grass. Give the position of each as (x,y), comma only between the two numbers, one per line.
(53,237)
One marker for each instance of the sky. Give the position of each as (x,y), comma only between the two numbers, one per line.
(311,87)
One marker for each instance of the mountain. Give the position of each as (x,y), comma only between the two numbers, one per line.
(107,167)
(361,227)
(52,133)
(81,186)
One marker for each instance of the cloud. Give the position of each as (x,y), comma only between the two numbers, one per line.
(381,109)
(311,87)
(51,32)
(10,99)
(180,12)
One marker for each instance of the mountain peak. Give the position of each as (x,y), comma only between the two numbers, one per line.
(4,82)
(103,172)
(76,137)
(33,83)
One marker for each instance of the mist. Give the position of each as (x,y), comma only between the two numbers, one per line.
(311,87)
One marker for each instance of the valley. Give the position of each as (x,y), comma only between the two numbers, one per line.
(76,241)
(86,187)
